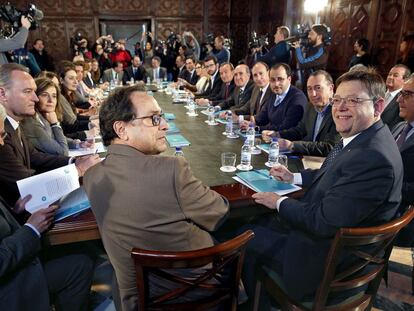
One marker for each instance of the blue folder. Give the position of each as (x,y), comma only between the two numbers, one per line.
(177,140)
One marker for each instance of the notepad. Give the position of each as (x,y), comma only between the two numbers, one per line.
(260,181)
(177,140)
(169,116)
(98,148)
(172,128)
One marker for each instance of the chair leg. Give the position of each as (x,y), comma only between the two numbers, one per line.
(412,272)
(257,291)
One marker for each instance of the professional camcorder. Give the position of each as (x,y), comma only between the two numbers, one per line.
(302,32)
(13,16)
(258,41)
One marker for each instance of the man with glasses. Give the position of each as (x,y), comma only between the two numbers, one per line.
(213,90)
(315,134)
(404,135)
(141,199)
(359,185)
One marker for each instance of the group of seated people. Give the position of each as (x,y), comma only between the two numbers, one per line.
(363,126)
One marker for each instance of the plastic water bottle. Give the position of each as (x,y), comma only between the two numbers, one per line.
(250,135)
(246,156)
(178,152)
(273,152)
(229,123)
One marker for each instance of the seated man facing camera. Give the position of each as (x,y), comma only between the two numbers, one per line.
(141,199)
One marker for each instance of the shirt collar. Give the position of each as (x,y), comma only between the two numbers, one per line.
(13,122)
(265,88)
(283,95)
(323,112)
(394,92)
(347,140)
(214,75)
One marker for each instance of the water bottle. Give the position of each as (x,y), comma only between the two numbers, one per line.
(250,135)
(229,123)
(245,157)
(131,82)
(273,152)
(178,152)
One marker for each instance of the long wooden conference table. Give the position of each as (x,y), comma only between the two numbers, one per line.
(204,156)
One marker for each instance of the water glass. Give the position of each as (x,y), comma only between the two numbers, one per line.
(282,160)
(228,162)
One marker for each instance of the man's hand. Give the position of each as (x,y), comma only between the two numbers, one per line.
(202,101)
(83,163)
(285,145)
(267,199)
(296,44)
(20,205)
(25,22)
(43,218)
(267,135)
(244,125)
(281,173)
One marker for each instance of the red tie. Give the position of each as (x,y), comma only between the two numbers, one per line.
(227,91)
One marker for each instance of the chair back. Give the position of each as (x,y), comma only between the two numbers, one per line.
(369,246)
(226,257)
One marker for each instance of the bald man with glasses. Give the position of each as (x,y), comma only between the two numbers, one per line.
(144,200)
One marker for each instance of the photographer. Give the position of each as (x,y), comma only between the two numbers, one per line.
(280,53)
(16,42)
(220,51)
(316,56)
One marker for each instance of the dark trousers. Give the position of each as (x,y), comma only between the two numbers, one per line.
(267,248)
(69,277)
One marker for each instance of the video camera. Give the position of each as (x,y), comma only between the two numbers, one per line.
(302,32)
(13,16)
(258,41)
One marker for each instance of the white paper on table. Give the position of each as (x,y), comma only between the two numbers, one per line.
(82,152)
(48,187)
(280,192)
(312,162)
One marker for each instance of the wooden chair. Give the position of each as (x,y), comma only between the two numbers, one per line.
(379,239)
(228,255)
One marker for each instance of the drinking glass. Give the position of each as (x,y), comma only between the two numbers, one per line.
(228,162)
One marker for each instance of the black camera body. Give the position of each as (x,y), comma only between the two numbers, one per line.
(13,16)
(258,41)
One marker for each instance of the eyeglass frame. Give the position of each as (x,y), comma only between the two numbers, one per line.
(358,101)
(405,94)
(155,118)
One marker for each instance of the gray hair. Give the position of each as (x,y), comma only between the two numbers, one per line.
(6,71)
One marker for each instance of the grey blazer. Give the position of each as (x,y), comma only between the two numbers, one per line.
(44,137)
(108,76)
(150,202)
(162,73)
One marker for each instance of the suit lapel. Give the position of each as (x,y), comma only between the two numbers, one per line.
(15,140)
(408,143)
(265,98)
(324,121)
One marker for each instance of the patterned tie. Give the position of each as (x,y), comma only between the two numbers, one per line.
(331,156)
(257,104)
(403,136)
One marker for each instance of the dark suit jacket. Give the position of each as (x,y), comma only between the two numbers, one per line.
(162,73)
(23,284)
(222,95)
(249,108)
(190,79)
(361,188)
(140,75)
(235,101)
(302,134)
(286,115)
(18,162)
(213,93)
(391,114)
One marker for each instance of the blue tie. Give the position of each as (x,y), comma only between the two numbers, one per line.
(331,156)
(277,101)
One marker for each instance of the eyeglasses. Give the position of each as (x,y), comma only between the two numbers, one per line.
(349,101)
(406,94)
(155,118)
(3,135)
(198,67)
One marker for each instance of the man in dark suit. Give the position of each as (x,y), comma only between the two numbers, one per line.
(214,88)
(156,72)
(280,52)
(136,71)
(286,107)
(179,70)
(404,135)
(242,91)
(315,134)
(18,157)
(26,282)
(190,74)
(115,73)
(261,92)
(358,185)
(395,80)
(178,218)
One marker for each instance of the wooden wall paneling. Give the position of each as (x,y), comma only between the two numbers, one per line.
(389,31)
(169,8)
(196,27)
(192,8)
(111,7)
(53,32)
(164,27)
(78,7)
(51,7)
(138,8)
(218,8)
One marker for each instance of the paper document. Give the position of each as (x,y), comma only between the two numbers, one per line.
(82,152)
(48,187)
(260,181)
(177,140)
(312,162)
(73,203)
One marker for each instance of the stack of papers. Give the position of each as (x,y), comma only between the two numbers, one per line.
(177,140)
(99,148)
(59,184)
(260,181)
